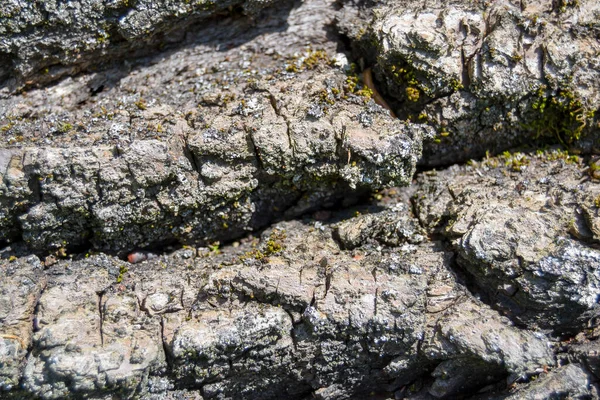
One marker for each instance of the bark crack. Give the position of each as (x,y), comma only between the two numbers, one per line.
(101,313)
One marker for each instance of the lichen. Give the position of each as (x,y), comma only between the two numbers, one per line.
(594,169)
(7,127)
(355,85)
(65,127)
(141,104)
(122,271)
(272,246)
(312,60)
(412,94)
(309,61)
(561,5)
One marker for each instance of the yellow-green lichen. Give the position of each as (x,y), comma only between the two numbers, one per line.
(272,246)
(594,169)
(141,104)
(561,5)
(309,61)
(122,271)
(65,127)
(7,127)
(515,161)
(355,85)
(412,93)
(314,58)
(326,97)
(558,154)
(214,248)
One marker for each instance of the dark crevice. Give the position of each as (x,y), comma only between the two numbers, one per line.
(416,214)
(255,151)
(189,154)
(230,365)
(36,188)
(101,314)
(339,145)
(273,102)
(375,301)
(292,330)
(168,356)
(290,139)
(313,300)
(36,308)
(328,278)
(95,90)
(466,79)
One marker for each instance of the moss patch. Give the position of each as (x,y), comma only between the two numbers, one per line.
(272,246)
(560,115)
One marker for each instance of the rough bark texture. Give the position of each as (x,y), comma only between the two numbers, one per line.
(529,239)
(221,154)
(487,75)
(42,41)
(210,200)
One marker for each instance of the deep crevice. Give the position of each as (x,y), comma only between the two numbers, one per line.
(189,154)
(255,151)
(100,295)
(168,356)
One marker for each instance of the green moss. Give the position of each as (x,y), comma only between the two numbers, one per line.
(558,154)
(122,271)
(412,94)
(516,57)
(354,84)
(272,246)
(275,242)
(405,77)
(102,37)
(456,85)
(325,97)
(404,74)
(516,161)
(309,62)
(365,92)
(561,5)
(594,169)
(560,115)
(351,84)
(314,58)
(141,104)
(65,127)
(292,68)
(214,248)
(226,98)
(7,127)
